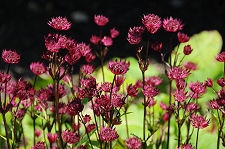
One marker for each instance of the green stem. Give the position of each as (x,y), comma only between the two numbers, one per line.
(6,130)
(168,131)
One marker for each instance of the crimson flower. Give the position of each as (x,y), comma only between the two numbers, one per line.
(118,67)
(190,66)
(4,77)
(135,35)
(183,37)
(133,143)
(221,82)
(177,73)
(74,107)
(70,137)
(119,80)
(37,132)
(197,89)
(114,33)
(117,100)
(180,84)
(150,91)
(209,83)
(82,147)
(86,118)
(90,127)
(107,41)
(52,137)
(101,20)
(153,80)
(88,69)
(151,102)
(132,90)
(221,57)
(39,145)
(83,48)
(10,56)
(187,50)
(214,104)
(198,121)
(59,23)
(185,146)
(90,57)
(37,68)
(157,46)
(95,39)
(152,23)
(180,95)
(172,25)
(108,134)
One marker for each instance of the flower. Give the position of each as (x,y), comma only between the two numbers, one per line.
(132,90)
(157,46)
(176,73)
(74,107)
(37,132)
(153,80)
(37,68)
(214,104)
(59,23)
(190,66)
(180,95)
(74,56)
(4,77)
(198,121)
(107,41)
(117,100)
(119,80)
(152,23)
(118,67)
(221,57)
(185,146)
(183,37)
(133,143)
(39,145)
(52,137)
(90,57)
(86,118)
(221,82)
(150,91)
(95,39)
(187,50)
(101,20)
(70,137)
(209,83)
(180,84)
(83,48)
(151,102)
(10,56)
(135,35)
(52,42)
(90,127)
(114,33)
(88,69)
(192,107)
(197,89)
(108,134)
(172,25)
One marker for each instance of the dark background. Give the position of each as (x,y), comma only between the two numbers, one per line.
(23,23)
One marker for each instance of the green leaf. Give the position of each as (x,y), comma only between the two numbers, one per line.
(85,138)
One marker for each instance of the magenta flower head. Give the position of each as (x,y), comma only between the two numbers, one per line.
(74,107)
(107,41)
(132,90)
(88,69)
(95,39)
(70,137)
(221,82)
(209,83)
(197,89)
(100,20)
(221,57)
(39,145)
(183,37)
(10,56)
(135,35)
(108,134)
(114,33)
(118,67)
(152,23)
(90,57)
(133,143)
(4,77)
(157,46)
(185,146)
(177,73)
(37,132)
(180,95)
(119,80)
(190,66)
(83,48)
(150,91)
(59,23)
(153,80)
(172,25)
(214,104)
(37,68)
(52,137)
(198,121)
(187,50)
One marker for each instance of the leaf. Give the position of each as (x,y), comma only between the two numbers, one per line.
(85,138)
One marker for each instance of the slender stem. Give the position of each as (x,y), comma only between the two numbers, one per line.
(168,131)
(197,139)
(110,97)
(188,130)
(127,130)
(6,130)
(34,140)
(102,68)
(179,126)
(219,132)
(110,144)
(143,77)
